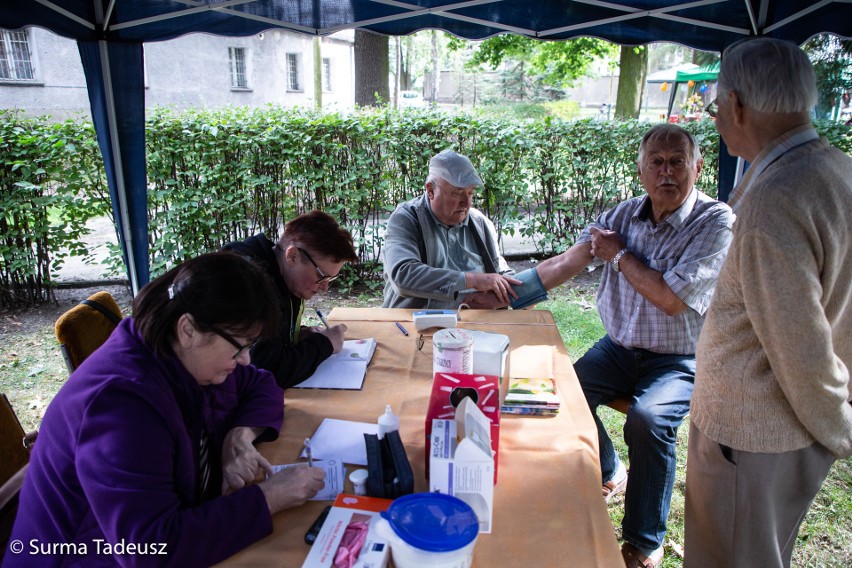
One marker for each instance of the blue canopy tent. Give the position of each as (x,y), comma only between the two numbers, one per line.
(110,35)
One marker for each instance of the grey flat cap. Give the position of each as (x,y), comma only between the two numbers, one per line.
(454,168)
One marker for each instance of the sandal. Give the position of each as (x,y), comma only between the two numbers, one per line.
(616,485)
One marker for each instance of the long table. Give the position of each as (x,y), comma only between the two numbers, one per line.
(548,509)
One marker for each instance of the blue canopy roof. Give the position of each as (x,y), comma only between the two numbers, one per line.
(703,24)
(110,34)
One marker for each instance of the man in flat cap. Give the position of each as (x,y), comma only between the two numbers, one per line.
(439,250)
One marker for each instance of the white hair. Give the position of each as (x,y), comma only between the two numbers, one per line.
(769,75)
(664,132)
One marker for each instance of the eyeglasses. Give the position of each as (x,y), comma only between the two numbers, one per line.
(230,339)
(712,109)
(323,277)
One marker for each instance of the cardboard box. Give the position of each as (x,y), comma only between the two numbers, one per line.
(461,462)
(449,389)
(491,357)
(349,509)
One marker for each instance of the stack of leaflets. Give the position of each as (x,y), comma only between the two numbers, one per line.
(533,397)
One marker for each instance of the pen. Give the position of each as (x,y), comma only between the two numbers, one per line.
(402,329)
(308,452)
(322,318)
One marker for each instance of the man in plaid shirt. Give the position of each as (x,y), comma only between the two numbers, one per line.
(662,253)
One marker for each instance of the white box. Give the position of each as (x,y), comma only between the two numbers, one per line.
(491,357)
(348,509)
(461,462)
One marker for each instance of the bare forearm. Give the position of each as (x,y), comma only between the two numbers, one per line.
(558,269)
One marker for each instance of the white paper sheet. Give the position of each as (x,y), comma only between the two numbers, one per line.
(341,439)
(334,472)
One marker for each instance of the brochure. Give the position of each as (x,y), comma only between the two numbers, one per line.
(345,369)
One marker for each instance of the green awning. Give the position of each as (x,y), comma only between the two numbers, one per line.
(706,73)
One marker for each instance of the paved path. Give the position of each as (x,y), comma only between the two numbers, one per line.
(75,271)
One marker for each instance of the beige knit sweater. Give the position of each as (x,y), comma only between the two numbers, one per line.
(775,352)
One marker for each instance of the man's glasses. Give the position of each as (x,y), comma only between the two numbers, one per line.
(712,108)
(230,339)
(323,277)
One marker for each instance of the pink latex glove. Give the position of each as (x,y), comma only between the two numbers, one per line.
(350,545)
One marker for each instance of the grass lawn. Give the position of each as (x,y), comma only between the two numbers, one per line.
(31,371)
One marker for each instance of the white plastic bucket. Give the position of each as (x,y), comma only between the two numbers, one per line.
(431,530)
(452,351)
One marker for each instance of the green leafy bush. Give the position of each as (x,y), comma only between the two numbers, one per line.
(51,183)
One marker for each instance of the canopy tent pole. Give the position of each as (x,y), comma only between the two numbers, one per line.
(115,81)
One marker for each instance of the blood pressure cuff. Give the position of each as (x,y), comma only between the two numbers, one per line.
(389,473)
(530,292)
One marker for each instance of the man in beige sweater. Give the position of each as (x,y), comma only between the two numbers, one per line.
(770,409)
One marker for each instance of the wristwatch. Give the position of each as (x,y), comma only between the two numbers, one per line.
(616,258)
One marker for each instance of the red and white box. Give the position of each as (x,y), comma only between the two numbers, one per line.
(448,390)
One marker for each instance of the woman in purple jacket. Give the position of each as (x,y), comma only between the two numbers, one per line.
(146,455)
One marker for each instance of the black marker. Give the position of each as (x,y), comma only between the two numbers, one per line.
(313,532)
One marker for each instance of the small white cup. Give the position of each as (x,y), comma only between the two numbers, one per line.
(359,481)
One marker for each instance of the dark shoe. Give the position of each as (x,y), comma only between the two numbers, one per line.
(635,559)
(615,485)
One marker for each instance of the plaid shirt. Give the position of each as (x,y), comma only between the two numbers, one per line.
(689,248)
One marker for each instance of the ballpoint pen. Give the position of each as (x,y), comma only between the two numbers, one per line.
(402,329)
(322,318)
(308,452)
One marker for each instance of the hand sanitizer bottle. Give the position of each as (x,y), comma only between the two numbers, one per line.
(388,422)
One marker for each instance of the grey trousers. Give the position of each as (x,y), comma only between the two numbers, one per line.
(745,508)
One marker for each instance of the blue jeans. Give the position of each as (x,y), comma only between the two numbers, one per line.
(660,387)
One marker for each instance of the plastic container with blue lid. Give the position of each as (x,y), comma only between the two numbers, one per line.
(431,529)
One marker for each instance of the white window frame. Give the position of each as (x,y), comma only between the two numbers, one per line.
(238,65)
(20,69)
(327,85)
(294,71)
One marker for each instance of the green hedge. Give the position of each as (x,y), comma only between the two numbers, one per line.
(218,176)
(51,183)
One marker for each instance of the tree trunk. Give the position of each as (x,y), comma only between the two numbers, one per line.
(317,73)
(634,66)
(372,69)
(436,71)
(405,67)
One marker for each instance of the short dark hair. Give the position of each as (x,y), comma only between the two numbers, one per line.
(220,290)
(320,232)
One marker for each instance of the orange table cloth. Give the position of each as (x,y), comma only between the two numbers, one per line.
(548,509)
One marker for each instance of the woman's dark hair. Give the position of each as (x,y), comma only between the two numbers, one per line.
(220,290)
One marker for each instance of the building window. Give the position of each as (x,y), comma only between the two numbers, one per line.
(237,58)
(326,74)
(294,81)
(16,63)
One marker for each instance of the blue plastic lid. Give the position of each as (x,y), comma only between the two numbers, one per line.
(433,521)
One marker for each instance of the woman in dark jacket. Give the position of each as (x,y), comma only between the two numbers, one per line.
(146,455)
